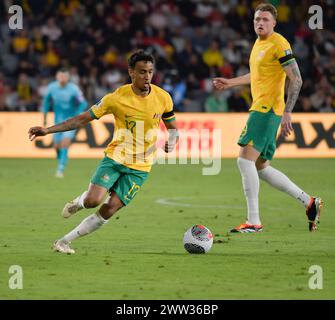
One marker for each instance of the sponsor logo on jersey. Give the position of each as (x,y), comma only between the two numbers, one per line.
(105,177)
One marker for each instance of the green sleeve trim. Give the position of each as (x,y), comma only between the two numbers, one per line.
(168,114)
(170,120)
(92,114)
(288,62)
(286,58)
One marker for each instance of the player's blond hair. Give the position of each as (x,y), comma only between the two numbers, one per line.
(267,7)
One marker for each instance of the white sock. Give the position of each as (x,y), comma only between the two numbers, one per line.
(250,182)
(281,182)
(81,199)
(88,225)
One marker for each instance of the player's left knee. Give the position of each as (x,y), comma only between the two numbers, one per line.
(91,202)
(112,208)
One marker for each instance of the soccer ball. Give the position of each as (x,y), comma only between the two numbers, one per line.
(198,239)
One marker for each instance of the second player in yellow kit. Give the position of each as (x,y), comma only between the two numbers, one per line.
(138,109)
(271,60)
(267,78)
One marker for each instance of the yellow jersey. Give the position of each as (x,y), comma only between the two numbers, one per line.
(267,59)
(137,122)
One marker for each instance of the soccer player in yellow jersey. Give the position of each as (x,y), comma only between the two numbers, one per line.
(137,108)
(271,63)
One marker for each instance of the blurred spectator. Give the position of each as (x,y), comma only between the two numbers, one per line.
(204,9)
(329,104)
(242,9)
(24,93)
(51,30)
(137,17)
(212,56)
(37,40)
(318,98)
(198,39)
(74,76)
(330,74)
(20,43)
(283,12)
(42,89)
(216,102)
(51,58)
(236,102)
(2,92)
(114,78)
(307,105)
(230,53)
(194,66)
(68,8)
(177,89)
(158,19)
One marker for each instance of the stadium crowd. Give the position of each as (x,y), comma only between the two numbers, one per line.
(192,41)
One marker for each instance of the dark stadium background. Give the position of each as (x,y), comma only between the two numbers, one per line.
(192,41)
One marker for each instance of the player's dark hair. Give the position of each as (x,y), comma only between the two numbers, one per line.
(267,7)
(140,55)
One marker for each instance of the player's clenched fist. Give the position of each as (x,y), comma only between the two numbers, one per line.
(221,83)
(36,132)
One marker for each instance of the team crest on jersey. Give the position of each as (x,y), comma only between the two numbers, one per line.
(261,54)
(157,116)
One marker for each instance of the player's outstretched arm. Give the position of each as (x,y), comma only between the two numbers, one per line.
(293,88)
(223,83)
(73,123)
(171,126)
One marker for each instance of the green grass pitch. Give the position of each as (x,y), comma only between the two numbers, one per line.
(139,253)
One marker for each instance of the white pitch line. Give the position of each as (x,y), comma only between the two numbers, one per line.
(173,202)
